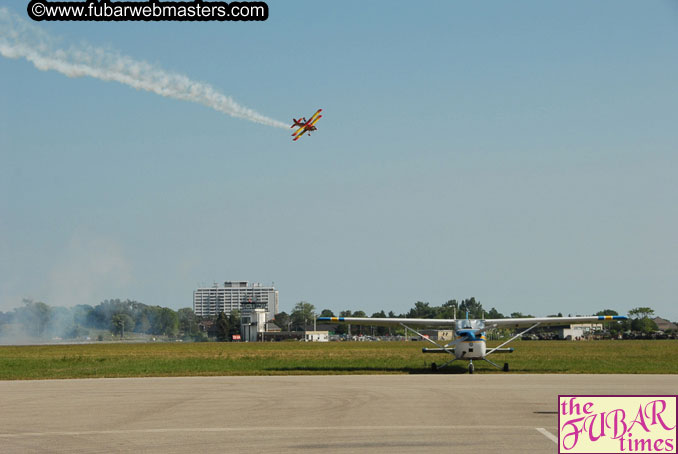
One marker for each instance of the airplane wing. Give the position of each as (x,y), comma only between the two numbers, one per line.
(300,134)
(314,115)
(549,321)
(388,321)
(299,130)
(489,323)
(316,119)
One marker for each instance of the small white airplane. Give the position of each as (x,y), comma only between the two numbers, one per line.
(469,342)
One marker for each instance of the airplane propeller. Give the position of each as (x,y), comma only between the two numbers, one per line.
(455,342)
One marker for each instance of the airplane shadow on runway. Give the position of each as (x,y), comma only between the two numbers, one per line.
(370,370)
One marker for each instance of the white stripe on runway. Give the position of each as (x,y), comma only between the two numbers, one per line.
(257,429)
(547,434)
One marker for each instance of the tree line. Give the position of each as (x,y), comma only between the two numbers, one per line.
(303,314)
(37,320)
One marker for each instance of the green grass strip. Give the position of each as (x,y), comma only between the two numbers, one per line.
(297,358)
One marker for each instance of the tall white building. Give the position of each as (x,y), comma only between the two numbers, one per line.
(212,300)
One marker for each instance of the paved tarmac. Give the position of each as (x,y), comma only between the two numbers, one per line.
(373,413)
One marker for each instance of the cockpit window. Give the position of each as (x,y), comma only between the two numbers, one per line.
(470,324)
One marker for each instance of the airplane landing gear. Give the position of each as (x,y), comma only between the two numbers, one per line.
(506,369)
(434,366)
(470,367)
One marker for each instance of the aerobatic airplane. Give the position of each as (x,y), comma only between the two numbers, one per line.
(305,125)
(469,342)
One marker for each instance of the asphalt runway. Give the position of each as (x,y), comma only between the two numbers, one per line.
(358,413)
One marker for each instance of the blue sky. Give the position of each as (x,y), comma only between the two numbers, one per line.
(523,153)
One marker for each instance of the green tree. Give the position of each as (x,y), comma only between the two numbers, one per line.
(607,312)
(153,313)
(101,316)
(81,314)
(473,307)
(188,323)
(520,315)
(379,330)
(421,310)
(283,321)
(343,328)
(233,323)
(448,310)
(60,322)
(641,320)
(641,312)
(76,331)
(227,325)
(358,329)
(169,322)
(222,327)
(34,316)
(644,325)
(142,324)
(121,323)
(327,313)
(302,315)
(614,326)
(494,314)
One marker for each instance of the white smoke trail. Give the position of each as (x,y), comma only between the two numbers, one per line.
(20,39)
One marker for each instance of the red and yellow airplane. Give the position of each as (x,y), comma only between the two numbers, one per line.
(305,125)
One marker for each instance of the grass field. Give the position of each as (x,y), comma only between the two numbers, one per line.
(292,358)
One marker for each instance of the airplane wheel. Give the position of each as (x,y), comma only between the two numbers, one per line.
(434,366)
(470,368)
(506,369)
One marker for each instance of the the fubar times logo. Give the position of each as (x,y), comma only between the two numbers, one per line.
(617,424)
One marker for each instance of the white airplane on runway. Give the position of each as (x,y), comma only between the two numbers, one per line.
(469,342)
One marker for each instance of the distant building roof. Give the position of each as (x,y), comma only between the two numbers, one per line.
(665,325)
(272,327)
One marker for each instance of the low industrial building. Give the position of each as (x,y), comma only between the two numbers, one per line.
(317,336)
(578,331)
(438,334)
(665,325)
